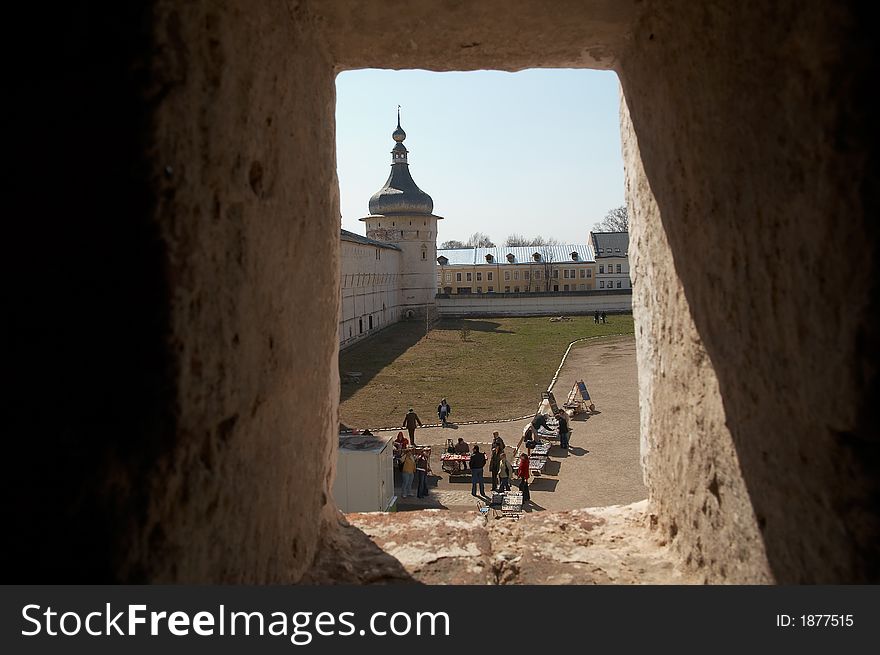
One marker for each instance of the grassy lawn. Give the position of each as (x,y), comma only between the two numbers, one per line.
(498,372)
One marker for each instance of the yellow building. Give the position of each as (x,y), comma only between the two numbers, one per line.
(516,269)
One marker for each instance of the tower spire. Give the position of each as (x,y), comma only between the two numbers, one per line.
(400,195)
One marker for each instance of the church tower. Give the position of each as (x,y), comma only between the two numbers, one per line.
(401,213)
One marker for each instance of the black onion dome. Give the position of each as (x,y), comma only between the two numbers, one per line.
(400,194)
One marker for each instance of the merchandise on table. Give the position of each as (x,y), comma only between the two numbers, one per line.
(541,448)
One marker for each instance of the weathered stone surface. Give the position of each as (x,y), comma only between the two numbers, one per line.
(176,349)
(754,254)
(348,556)
(606,545)
(690,464)
(434,546)
(501,34)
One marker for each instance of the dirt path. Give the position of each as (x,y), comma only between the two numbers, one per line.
(602,465)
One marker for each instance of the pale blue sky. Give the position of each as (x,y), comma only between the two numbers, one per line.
(534,152)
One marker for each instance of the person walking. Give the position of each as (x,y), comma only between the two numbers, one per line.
(596,317)
(494,466)
(564,432)
(407,471)
(504,472)
(409,422)
(443,411)
(478,461)
(604,317)
(422,468)
(523,472)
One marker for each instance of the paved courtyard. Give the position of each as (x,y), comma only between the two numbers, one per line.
(601,467)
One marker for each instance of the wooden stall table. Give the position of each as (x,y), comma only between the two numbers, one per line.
(455,463)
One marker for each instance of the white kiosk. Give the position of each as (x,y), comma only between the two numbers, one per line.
(365,474)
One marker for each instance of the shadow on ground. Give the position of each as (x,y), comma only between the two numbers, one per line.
(455,325)
(368,361)
(372,565)
(543,484)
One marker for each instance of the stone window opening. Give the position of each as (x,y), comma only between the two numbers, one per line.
(731,461)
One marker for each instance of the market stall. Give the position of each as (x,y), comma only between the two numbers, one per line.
(538,456)
(455,463)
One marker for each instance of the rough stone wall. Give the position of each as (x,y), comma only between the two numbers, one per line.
(753,129)
(499,34)
(244,135)
(178,371)
(175,371)
(689,463)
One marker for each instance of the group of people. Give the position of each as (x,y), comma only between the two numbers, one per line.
(418,467)
(597,317)
(414,467)
(540,421)
(499,467)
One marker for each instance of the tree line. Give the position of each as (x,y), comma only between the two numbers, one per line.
(616,220)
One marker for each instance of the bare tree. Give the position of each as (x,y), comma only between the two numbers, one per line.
(547,262)
(616,220)
(452,243)
(479,240)
(520,240)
